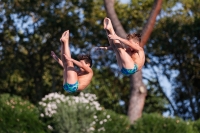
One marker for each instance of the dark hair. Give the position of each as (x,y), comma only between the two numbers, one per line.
(86,58)
(134,36)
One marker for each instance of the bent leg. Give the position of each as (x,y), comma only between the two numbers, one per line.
(123,58)
(126,60)
(116,52)
(109,30)
(65,46)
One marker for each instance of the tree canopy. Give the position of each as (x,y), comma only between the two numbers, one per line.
(31,29)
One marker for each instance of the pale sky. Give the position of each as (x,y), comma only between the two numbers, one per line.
(124,1)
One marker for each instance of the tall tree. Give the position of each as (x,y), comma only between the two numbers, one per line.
(138,90)
(179,56)
(32,29)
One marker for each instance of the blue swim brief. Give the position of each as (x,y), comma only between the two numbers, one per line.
(71,87)
(129,71)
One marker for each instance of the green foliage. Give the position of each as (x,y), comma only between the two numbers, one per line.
(196,126)
(80,114)
(155,101)
(133,16)
(33,28)
(71,119)
(174,48)
(110,90)
(69,113)
(28,34)
(110,95)
(148,123)
(111,122)
(154,123)
(17,116)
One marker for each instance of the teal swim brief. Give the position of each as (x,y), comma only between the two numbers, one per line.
(70,87)
(129,71)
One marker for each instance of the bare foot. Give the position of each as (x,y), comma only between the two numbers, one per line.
(108,26)
(65,37)
(105,22)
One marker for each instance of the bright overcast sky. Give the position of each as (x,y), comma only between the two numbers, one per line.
(124,1)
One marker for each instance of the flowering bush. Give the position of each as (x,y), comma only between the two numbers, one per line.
(49,102)
(80,114)
(110,122)
(70,113)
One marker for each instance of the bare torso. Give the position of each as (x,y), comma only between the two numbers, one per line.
(84,79)
(137,56)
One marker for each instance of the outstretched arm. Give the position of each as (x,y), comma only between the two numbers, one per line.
(79,64)
(124,41)
(55,57)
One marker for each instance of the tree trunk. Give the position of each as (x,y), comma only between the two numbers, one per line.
(138,94)
(138,90)
(148,28)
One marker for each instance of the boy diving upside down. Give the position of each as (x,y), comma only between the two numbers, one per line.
(73,80)
(130,59)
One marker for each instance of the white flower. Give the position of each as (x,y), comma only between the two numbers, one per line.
(50,102)
(108,116)
(101,129)
(58,101)
(42,115)
(81,94)
(91,129)
(86,95)
(44,104)
(50,127)
(101,122)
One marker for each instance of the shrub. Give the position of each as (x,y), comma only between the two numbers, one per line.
(83,114)
(69,113)
(196,126)
(80,114)
(154,123)
(73,119)
(18,116)
(108,121)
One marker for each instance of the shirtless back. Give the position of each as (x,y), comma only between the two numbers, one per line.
(84,79)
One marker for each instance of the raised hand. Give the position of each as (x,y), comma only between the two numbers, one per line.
(113,37)
(67,57)
(55,57)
